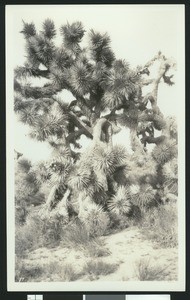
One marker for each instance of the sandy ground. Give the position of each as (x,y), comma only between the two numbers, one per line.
(126,248)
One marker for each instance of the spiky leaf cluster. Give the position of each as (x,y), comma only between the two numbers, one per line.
(26,184)
(28,30)
(59,168)
(120,203)
(81,78)
(100,48)
(146,197)
(49,29)
(165,152)
(79,178)
(40,50)
(72,35)
(170,174)
(95,219)
(119,84)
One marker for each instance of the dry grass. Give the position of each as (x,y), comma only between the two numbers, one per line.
(36,233)
(160,225)
(53,270)
(64,272)
(96,248)
(96,268)
(26,273)
(74,235)
(145,271)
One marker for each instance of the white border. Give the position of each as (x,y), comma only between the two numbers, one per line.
(81,286)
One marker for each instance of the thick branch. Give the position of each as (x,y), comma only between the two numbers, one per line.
(78,123)
(164,67)
(155,58)
(147,81)
(73,136)
(152,139)
(151,98)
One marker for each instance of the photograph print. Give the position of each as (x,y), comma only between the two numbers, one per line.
(95,147)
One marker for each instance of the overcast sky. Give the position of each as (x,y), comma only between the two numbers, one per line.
(137,33)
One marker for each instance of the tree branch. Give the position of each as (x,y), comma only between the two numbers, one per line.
(29,71)
(73,136)
(37,92)
(164,67)
(152,140)
(78,123)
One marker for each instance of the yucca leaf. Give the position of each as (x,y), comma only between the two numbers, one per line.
(81,78)
(72,33)
(146,197)
(165,152)
(120,203)
(28,30)
(24,165)
(49,29)
(95,219)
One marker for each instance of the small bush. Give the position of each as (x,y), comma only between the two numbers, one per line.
(96,248)
(68,273)
(24,273)
(97,268)
(27,238)
(160,225)
(63,272)
(95,220)
(75,234)
(37,233)
(147,272)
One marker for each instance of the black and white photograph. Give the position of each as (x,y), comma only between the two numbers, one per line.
(95,108)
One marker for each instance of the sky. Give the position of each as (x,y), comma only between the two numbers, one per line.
(137,33)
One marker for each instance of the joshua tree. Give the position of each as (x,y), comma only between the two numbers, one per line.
(104,181)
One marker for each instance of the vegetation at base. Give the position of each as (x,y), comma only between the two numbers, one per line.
(96,268)
(146,271)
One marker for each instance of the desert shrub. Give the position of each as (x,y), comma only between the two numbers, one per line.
(95,219)
(75,234)
(160,225)
(96,248)
(27,238)
(170,176)
(97,268)
(145,271)
(26,185)
(37,233)
(51,231)
(121,222)
(117,223)
(21,212)
(24,273)
(65,272)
